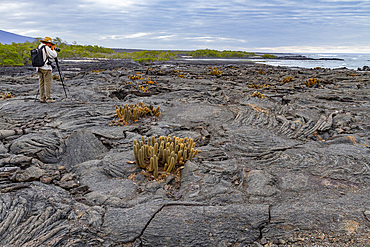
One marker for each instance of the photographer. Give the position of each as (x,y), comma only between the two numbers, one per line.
(45,72)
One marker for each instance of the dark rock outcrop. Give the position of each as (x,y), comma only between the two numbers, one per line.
(289,168)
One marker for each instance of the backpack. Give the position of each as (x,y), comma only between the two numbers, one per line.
(37,57)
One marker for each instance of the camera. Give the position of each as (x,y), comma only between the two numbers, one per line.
(51,64)
(57,49)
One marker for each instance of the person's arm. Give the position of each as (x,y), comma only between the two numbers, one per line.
(50,53)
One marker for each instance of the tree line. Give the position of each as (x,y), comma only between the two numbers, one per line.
(18,54)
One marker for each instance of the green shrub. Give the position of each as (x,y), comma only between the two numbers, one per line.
(148,56)
(18,54)
(220,54)
(9,56)
(268,56)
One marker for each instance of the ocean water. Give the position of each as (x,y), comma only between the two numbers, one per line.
(350,61)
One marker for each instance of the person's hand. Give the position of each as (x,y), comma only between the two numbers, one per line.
(52,47)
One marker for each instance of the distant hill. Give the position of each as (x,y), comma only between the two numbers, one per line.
(8,38)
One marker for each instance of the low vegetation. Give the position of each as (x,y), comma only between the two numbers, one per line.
(215,71)
(5,96)
(219,54)
(132,113)
(312,82)
(18,54)
(163,155)
(268,56)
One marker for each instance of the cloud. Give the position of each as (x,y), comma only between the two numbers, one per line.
(147,35)
(193,23)
(11,5)
(213,39)
(164,37)
(128,36)
(12,11)
(111,4)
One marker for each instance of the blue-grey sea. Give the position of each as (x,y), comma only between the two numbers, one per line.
(350,61)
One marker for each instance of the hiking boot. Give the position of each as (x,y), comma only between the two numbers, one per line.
(42,101)
(50,101)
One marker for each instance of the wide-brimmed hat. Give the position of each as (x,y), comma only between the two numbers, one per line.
(47,40)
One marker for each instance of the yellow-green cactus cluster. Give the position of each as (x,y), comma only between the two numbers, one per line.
(5,96)
(134,112)
(135,77)
(143,89)
(215,71)
(258,95)
(311,82)
(287,79)
(97,71)
(164,154)
(259,86)
(150,82)
(56,77)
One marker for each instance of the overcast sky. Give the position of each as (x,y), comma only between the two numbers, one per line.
(250,25)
